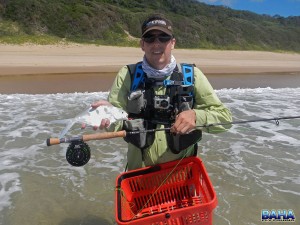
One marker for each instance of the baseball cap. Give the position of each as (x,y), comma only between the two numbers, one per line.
(157,22)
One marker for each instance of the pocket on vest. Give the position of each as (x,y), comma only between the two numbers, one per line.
(178,143)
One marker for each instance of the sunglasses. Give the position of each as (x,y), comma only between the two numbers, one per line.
(161,38)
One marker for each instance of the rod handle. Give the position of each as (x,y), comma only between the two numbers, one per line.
(52,141)
(87,137)
(106,135)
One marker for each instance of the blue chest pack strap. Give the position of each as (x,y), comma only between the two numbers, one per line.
(188,74)
(187,71)
(139,76)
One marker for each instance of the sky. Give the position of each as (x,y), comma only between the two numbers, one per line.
(283,8)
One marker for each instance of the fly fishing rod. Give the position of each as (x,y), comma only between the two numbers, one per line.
(78,152)
(123,133)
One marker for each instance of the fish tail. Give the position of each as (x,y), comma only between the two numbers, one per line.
(67,128)
(65,121)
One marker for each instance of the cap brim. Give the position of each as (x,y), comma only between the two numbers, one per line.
(165,30)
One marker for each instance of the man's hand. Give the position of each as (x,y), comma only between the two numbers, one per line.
(104,123)
(185,122)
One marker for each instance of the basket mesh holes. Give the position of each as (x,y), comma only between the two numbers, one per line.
(132,186)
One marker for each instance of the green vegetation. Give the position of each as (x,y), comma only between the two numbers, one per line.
(117,22)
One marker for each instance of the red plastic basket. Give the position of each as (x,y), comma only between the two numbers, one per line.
(174,193)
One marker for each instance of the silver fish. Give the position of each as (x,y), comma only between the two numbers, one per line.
(93,117)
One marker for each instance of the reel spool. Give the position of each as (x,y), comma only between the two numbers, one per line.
(78,153)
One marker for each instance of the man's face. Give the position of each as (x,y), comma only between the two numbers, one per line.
(157,46)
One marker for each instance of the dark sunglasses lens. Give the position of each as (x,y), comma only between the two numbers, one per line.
(164,38)
(161,38)
(149,39)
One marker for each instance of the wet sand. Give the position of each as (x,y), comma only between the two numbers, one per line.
(70,83)
(37,69)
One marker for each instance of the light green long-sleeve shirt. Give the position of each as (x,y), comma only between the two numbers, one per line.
(208,108)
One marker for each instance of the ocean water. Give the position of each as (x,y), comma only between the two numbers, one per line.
(253,166)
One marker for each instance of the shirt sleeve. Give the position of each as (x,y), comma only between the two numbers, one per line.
(118,94)
(208,107)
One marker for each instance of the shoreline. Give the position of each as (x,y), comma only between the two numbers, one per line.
(95,82)
(35,69)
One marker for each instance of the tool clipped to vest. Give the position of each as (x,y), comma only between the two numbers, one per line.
(154,109)
(136,102)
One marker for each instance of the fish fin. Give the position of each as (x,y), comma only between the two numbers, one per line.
(86,111)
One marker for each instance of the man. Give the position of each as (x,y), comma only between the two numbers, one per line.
(155,95)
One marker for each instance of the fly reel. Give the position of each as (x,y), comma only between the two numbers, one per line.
(78,153)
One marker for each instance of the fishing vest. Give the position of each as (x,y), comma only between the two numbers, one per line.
(148,109)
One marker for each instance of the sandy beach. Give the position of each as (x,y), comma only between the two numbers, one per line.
(38,69)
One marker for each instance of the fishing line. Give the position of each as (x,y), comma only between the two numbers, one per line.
(135,215)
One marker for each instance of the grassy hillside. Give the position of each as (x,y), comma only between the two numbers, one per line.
(117,22)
